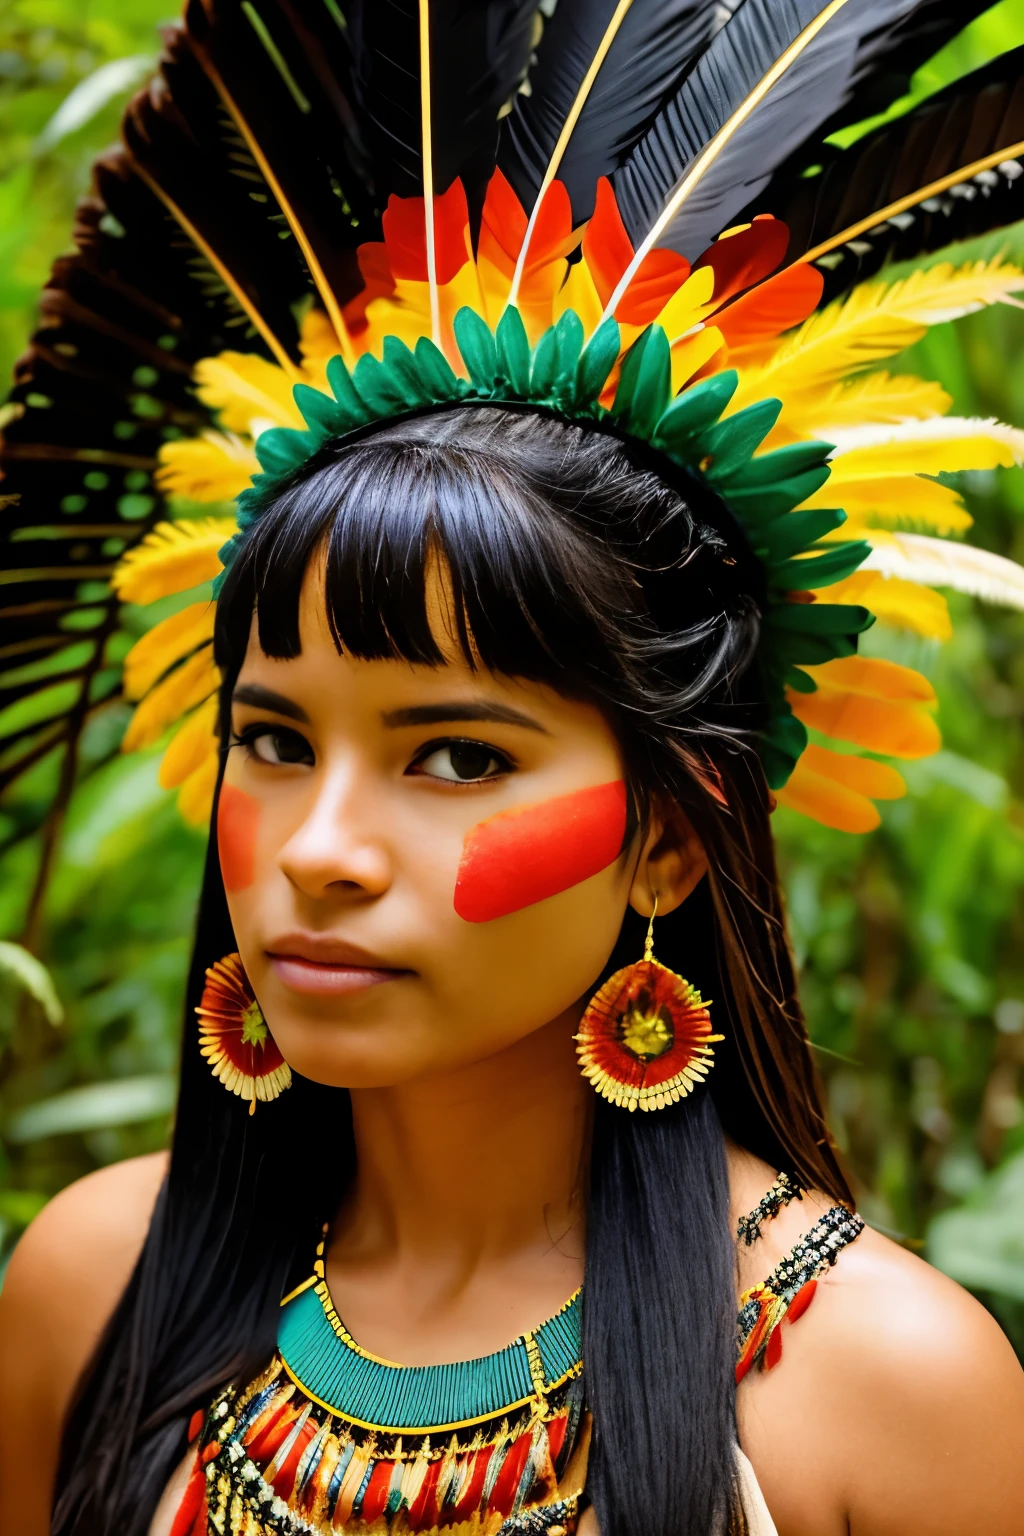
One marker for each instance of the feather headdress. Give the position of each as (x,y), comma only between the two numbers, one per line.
(326,214)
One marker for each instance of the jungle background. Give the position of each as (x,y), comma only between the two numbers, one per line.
(910,940)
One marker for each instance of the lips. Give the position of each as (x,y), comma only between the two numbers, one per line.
(320,965)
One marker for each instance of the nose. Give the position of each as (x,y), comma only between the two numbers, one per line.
(340,847)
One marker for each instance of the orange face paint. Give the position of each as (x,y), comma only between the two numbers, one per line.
(238,816)
(520,857)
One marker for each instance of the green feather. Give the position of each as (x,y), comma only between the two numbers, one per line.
(761,504)
(545,366)
(810,650)
(353,407)
(819,618)
(439,378)
(568,333)
(281,450)
(402,364)
(320,412)
(476,344)
(782,744)
(796,531)
(797,679)
(382,392)
(781,464)
(732,443)
(645,383)
(596,363)
(810,571)
(694,411)
(513,351)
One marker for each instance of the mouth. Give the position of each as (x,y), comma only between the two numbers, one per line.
(326,967)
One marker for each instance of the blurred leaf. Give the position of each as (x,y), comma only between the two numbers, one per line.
(20,1206)
(92,94)
(23,968)
(981,1244)
(88,1109)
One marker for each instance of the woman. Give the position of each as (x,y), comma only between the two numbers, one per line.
(504,649)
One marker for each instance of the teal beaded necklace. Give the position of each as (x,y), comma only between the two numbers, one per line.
(330,1368)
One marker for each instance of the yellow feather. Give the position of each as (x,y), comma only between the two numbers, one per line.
(903,604)
(878,469)
(875,321)
(191,746)
(164,646)
(872,397)
(690,354)
(195,797)
(914,558)
(578,292)
(874,677)
(838,790)
(873,450)
(318,343)
(172,558)
(896,502)
(871,703)
(690,305)
(192,684)
(250,393)
(216,466)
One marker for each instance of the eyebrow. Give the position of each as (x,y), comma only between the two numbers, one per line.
(265,698)
(460,709)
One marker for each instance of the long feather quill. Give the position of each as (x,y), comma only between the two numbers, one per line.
(766,83)
(565,134)
(946,170)
(653,46)
(428,171)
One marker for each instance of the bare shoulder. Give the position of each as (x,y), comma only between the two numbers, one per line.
(85,1242)
(62,1284)
(918,1404)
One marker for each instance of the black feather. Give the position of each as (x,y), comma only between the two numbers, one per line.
(820,81)
(947,134)
(479,53)
(885,75)
(655,46)
(105,381)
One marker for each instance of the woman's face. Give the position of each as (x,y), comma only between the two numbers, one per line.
(422,864)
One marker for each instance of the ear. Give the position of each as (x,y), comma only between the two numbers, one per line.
(672,862)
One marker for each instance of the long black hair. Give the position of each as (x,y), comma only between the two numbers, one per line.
(571,560)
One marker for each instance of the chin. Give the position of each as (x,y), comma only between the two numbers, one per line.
(341,1055)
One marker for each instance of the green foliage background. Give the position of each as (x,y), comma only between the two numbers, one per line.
(911,941)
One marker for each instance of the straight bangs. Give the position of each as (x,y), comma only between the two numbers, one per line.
(503,534)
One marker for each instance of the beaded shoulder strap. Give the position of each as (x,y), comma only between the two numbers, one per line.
(789,1289)
(787,1187)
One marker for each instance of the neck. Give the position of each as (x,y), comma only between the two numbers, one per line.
(476,1168)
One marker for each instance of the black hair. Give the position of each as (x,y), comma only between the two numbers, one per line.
(570,558)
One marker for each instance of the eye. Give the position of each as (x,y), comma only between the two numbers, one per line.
(461,762)
(275,744)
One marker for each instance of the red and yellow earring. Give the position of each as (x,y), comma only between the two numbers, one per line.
(645,1038)
(234,1038)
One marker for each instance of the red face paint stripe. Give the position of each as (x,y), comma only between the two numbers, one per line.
(524,856)
(237,819)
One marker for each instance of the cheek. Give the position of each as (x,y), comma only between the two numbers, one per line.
(238,817)
(521,857)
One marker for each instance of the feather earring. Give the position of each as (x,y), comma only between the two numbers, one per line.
(645,1038)
(234,1038)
